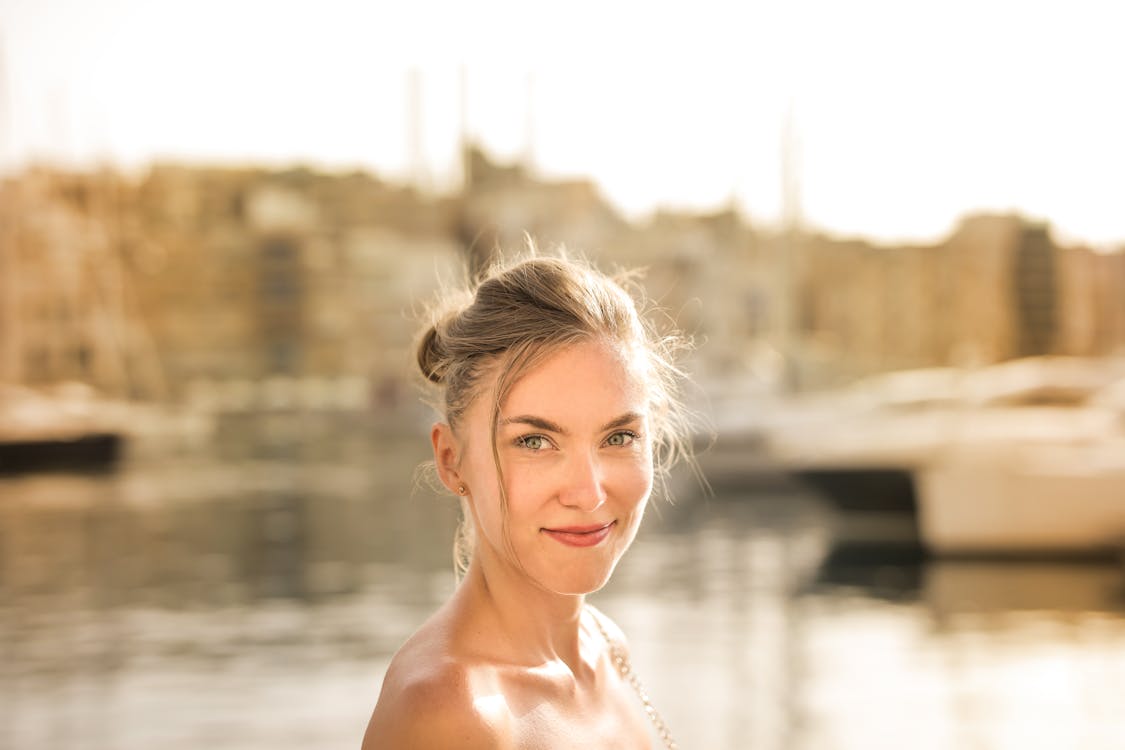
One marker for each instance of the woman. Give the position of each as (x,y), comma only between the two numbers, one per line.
(559,413)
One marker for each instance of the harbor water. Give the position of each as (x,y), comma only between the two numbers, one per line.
(249,594)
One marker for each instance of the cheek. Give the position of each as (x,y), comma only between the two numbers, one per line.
(633,493)
(480,474)
(529,486)
(633,482)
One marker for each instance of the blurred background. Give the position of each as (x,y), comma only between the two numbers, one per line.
(893,230)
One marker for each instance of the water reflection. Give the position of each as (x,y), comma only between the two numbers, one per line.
(251,596)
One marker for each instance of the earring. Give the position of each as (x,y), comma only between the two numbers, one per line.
(462,489)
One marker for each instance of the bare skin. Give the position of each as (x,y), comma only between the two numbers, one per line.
(515,659)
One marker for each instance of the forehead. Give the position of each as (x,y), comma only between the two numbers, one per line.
(591,378)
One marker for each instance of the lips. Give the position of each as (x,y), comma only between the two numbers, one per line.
(580,536)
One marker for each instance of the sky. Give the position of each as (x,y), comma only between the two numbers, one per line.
(901,117)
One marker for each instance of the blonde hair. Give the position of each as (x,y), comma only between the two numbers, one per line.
(519,313)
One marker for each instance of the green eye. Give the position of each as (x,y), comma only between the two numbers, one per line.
(621,438)
(533,442)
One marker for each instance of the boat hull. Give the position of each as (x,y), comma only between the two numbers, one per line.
(975,508)
(86,452)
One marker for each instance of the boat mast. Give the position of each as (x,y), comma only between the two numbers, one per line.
(791,229)
(10,333)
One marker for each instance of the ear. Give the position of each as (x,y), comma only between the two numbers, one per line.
(447,456)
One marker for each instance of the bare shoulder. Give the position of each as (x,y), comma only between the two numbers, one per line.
(436,702)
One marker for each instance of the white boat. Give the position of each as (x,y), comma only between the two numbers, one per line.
(1039,469)
(1024,457)
(1053,498)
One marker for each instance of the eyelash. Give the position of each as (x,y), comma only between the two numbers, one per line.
(633,437)
(521,441)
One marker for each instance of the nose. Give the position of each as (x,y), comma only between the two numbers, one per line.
(585,483)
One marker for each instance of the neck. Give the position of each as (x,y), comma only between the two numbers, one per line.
(516,616)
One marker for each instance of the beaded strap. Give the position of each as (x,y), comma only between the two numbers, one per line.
(621,660)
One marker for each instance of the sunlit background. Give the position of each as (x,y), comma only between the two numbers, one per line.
(894,231)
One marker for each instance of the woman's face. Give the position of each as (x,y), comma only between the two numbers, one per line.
(574,446)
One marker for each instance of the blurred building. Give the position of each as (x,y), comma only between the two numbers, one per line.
(290,275)
(198,280)
(1091,309)
(501,206)
(998,288)
(69,305)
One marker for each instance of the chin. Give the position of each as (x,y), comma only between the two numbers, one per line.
(577,584)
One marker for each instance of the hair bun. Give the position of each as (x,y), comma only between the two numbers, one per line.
(430,355)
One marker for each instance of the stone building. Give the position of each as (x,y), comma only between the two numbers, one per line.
(997,288)
(221,276)
(1091,304)
(289,275)
(69,297)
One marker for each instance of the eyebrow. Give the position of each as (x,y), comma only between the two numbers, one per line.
(546,424)
(538,423)
(625,419)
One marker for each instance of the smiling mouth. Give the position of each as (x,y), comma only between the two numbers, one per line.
(580,536)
